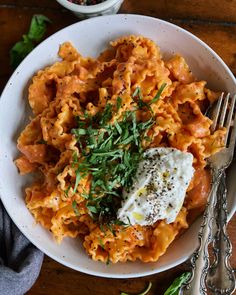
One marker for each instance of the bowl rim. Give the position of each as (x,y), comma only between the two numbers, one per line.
(88,8)
(24,230)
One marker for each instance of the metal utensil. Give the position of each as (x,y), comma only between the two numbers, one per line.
(221,279)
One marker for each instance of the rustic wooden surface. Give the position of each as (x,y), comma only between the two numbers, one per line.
(212,21)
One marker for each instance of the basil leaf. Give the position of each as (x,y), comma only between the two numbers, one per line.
(20,50)
(38,27)
(158,95)
(137,93)
(92,209)
(67,190)
(101,243)
(36,32)
(177,283)
(77,180)
(119,129)
(111,152)
(74,205)
(42,141)
(118,103)
(145,292)
(108,259)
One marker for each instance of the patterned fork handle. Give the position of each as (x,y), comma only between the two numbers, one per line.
(200,259)
(221,278)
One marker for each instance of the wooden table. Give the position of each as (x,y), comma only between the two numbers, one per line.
(212,21)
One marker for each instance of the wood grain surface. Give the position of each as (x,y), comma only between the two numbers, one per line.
(212,21)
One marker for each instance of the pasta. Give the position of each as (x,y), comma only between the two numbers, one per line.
(78,86)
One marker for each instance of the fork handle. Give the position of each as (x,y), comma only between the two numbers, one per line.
(200,259)
(221,279)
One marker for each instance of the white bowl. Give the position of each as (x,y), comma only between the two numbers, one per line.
(83,11)
(91,37)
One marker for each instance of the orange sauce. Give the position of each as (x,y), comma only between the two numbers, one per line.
(196,197)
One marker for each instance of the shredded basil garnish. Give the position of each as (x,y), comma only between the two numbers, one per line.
(110,153)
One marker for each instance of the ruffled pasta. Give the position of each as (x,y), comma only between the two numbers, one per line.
(78,85)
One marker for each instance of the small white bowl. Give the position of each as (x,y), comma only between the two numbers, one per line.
(86,11)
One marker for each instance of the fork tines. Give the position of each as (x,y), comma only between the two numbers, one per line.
(223,116)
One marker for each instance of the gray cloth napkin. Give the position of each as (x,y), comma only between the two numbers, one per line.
(20,261)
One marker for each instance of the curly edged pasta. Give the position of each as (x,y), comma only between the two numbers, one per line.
(125,79)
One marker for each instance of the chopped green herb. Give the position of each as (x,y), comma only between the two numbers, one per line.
(75,159)
(109,225)
(158,95)
(101,243)
(77,180)
(85,195)
(108,259)
(118,103)
(74,205)
(79,131)
(147,138)
(102,228)
(119,222)
(106,115)
(137,95)
(129,220)
(177,283)
(67,190)
(145,292)
(111,153)
(118,127)
(36,32)
(92,209)
(42,141)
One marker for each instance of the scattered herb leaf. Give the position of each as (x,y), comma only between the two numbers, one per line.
(118,103)
(36,32)
(20,50)
(78,177)
(67,190)
(102,229)
(42,141)
(108,259)
(177,283)
(74,205)
(145,292)
(92,209)
(128,220)
(158,95)
(109,225)
(137,95)
(174,287)
(38,27)
(101,243)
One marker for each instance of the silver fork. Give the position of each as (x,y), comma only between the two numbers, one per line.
(219,277)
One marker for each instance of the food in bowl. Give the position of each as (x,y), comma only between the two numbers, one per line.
(87,9)
(86,2)
(120,144)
